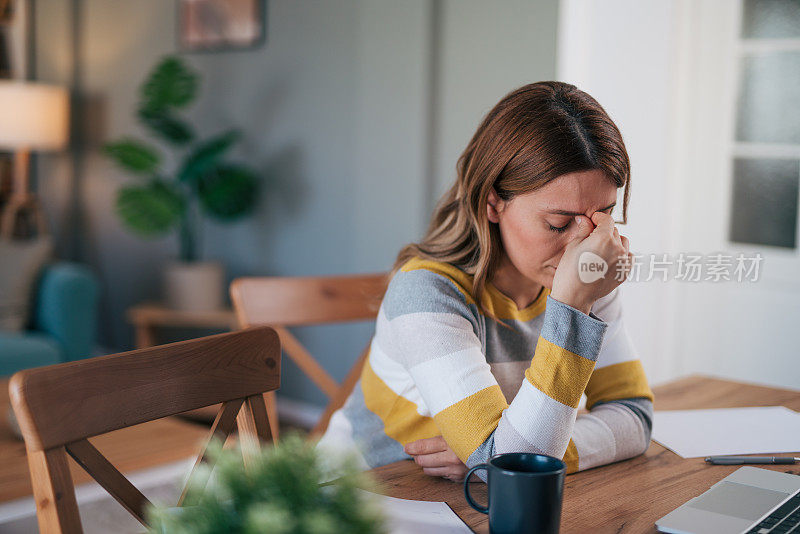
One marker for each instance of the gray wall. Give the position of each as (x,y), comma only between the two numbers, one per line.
(354,110)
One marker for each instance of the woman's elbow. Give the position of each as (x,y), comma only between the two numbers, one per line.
(643,443)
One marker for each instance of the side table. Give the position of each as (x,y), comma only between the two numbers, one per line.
(146,317)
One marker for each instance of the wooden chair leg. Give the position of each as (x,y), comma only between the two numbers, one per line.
(56,507)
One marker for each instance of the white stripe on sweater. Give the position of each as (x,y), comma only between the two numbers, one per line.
(542,421)
(453,377)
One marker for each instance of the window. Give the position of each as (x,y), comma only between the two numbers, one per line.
(766,153)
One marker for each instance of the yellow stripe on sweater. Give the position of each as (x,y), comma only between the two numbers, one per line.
(618,381)
(495,302)
(558,373)
(571,457)
(400,418)
(467,423)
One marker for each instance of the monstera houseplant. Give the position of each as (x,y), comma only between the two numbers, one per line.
(175,199)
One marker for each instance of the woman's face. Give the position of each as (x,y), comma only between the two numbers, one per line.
(536,227)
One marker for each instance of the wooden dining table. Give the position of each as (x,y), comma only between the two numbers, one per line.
(623,497)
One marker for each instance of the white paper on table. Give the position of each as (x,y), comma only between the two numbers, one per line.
(756,430)
(405,516)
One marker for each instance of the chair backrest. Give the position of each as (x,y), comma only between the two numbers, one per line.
(282,302)
(59,406)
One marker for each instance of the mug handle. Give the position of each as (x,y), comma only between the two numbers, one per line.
(470,500)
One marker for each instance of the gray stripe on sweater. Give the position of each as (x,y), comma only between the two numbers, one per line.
(624,423)
(515,341)
(369,432)
(573,330)
(421,290)
(642,408)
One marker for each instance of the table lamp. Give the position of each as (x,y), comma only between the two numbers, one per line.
(33,116)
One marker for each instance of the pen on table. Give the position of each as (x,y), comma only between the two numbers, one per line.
(737,460)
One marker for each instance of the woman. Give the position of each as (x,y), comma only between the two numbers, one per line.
(496,323)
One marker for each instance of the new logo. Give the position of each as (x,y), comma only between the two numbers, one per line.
(591,267)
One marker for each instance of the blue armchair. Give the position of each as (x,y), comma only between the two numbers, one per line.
(64,323)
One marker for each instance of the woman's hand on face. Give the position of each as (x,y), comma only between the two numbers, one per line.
(436,458)
(596,240)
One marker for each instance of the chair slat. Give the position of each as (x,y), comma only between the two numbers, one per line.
(253,427)
(271,402)
(298,301)
(220,430)
(114,482)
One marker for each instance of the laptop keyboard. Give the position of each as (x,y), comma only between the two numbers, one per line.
(784,520)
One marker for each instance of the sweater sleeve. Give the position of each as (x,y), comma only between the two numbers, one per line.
(620,401)
(438,347)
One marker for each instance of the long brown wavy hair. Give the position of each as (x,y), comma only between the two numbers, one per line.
(533,135)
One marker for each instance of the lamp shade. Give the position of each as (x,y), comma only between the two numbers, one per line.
(33,116)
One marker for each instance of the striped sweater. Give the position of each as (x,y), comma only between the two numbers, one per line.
(438,366)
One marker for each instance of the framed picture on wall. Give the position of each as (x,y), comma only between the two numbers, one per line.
(6,11)
(220,25)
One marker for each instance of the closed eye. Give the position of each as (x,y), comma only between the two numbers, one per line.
(560,229)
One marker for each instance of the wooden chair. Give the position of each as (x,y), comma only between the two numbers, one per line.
(282,302)
(60,406)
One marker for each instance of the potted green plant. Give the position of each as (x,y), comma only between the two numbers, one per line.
(278,493)
(203,183)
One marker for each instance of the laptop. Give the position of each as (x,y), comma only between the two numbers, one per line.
(749,500)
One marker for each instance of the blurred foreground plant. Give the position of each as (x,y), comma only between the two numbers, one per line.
(279,492)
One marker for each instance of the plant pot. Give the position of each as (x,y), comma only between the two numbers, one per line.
(195,286)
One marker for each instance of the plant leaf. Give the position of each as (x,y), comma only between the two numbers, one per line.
(228,192)
(150,210)
(133,155)
(279,493)
(170,84)
(165,124)
(206,156)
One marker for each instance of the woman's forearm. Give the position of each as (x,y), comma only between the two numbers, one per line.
(611,432)
(543,413)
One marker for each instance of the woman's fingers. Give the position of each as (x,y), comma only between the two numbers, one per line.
(625,243)
(585,227)
(426,446)
(437,459)
(603,221)
(627,268)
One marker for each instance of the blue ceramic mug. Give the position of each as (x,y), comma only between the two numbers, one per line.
(525,493)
